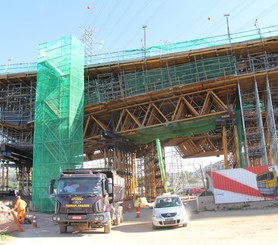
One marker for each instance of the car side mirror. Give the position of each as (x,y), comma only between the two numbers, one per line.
(51,187)
(109,186)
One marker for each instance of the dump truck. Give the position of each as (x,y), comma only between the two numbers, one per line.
(87,199)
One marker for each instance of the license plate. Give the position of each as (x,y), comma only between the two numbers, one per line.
(169,219)
(170,222)
(76,217)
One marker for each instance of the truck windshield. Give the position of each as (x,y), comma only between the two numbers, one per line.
(80,186)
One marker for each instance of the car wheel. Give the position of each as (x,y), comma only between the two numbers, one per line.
(184,225)
(154,227)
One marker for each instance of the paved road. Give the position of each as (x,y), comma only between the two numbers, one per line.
(215,227)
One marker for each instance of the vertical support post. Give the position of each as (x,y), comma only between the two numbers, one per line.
(271,124)
(236,145)
(247,160)
(3,175)
(161,164)
(7,175)
(261,127)
(225,150)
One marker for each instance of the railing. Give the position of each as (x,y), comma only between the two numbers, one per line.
(138,54)
(18,68)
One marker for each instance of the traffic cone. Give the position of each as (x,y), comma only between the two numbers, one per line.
(34,222)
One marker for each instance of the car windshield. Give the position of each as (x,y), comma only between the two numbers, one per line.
(165,202)
(80,186)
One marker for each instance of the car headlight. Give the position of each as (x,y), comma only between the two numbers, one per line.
(156,215)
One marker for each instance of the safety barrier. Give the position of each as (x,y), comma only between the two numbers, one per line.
(9,222)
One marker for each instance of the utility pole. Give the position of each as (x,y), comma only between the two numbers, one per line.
(145,47)
(258,27)
(228,28)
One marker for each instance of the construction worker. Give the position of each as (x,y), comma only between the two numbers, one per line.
(137,205)
(20,206)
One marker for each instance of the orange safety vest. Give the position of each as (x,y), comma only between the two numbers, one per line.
(20,205)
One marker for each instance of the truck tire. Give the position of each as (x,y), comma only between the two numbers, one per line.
(122,216)
(63,228)
(117,220)
(275,191)
(107,227)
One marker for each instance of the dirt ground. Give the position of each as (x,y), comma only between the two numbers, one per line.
(250,226)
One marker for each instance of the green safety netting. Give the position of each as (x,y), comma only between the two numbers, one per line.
(170,48)
(194,126)
(58,137)
(105,89)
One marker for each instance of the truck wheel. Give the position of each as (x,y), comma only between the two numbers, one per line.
(117,220)
(275,191)
(122,216)
(107,227)
(63,228)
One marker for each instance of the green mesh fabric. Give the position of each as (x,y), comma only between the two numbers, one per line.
(191,127)
(58,137)
(141,82)
(158,50)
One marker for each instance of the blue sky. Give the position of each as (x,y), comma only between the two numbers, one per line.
(117,24)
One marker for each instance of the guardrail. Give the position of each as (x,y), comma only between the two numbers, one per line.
(159,50)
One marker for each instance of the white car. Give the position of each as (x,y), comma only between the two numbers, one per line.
(168,210)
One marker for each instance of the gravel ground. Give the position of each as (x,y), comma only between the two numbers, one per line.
(253,226)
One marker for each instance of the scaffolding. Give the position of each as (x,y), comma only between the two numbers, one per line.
(191,112)
(108,87)
(58,140)
(17,107)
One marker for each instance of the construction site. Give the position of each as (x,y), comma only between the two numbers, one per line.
(207,97)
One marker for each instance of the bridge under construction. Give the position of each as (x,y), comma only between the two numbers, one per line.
(206,97)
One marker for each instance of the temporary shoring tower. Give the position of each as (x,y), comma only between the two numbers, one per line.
(58,137)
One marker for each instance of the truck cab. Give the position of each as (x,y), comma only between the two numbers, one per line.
(88,198)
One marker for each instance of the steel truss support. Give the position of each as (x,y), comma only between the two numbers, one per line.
(130,120)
